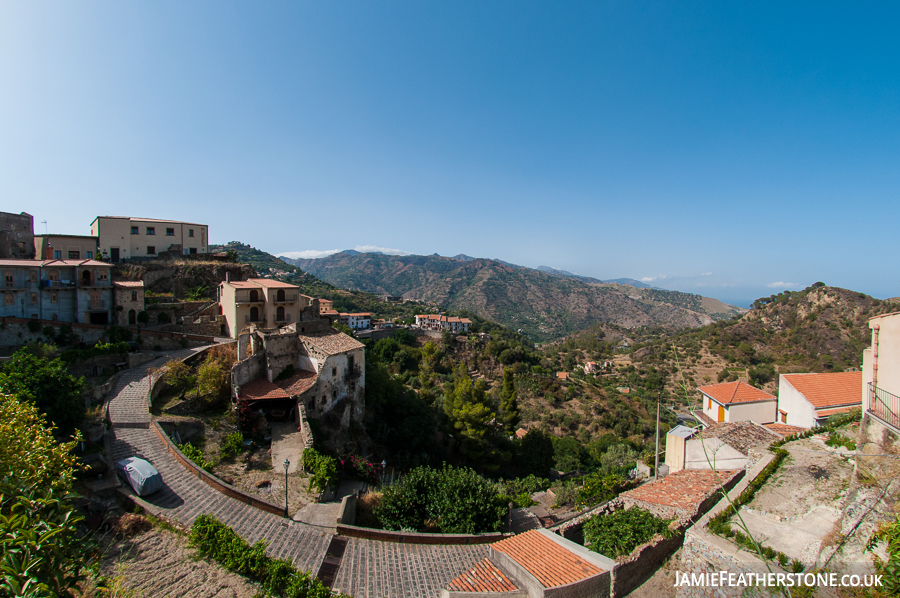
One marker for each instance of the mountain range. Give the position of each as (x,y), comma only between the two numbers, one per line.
(545,303)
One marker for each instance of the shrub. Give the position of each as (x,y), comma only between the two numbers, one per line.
(196,455)
(454,499)
(323,469)
(622,531)
(34,325)
(598,488)
(356,467)
(219,542)
(163,318)
(835,440)
(232,446)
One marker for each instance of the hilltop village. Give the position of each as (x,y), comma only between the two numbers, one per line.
(430,453)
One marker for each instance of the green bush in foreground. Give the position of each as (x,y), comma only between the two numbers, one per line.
(622,531)
(279,578)
(456,500)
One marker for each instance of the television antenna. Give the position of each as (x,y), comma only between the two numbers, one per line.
(44,222)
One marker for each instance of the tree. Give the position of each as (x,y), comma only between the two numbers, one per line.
(42,546)
(29,453)
(48,385)
(465,404)
(231,255)
(509,407)
(143,318)
(535,454)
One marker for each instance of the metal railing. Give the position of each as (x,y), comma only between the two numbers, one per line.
(284,319)
(884,405)
(257,320)
(287,299)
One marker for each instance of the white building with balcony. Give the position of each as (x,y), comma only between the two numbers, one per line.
(881,372)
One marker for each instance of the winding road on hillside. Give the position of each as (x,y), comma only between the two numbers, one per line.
(368,569)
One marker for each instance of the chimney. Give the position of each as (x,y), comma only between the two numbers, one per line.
(227,276)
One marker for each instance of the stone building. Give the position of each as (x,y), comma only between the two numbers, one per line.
(293,374)
(16,236)
(63,290)
(68,247)
(129,296)
(122,238)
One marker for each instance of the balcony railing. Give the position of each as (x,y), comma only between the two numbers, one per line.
(884,405)
(248,319)
(353,373)
(248,301)
(285,319)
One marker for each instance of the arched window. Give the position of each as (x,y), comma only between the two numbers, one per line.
(86,278)
(279,296)
(33,276)
(54,297)
(54,317)
(53,275)
(132,317)
(9,299)
(95,300)
(254,295)
(279,314)
(34,299)
(254,314)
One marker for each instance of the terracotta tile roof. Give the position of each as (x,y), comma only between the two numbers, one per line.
(331,341)
(128,283)
(242,284)
(359,315)
(546,560)
(735,392)
(827,412)
(784,429)
(828,390)
(273,284)
(741,435)
(261,389)
(329,312)
(483,577)
(562,375)
(298,383)
(521,432)
(684,490)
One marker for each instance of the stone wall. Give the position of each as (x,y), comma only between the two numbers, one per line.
(633,570)
(17,236)
(247,370)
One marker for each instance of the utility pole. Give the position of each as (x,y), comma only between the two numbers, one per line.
(656,469)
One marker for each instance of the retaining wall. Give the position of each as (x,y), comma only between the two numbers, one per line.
(384,535)
(213,481)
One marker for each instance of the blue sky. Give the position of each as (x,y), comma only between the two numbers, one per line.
(731,150)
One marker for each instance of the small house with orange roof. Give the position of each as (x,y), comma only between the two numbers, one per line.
(535,564)
(807,400)
(737,402)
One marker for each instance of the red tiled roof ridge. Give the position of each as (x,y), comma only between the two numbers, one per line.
(738,391)
(831,389)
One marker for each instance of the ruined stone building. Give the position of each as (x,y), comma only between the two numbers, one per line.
(16,236)
(305,369)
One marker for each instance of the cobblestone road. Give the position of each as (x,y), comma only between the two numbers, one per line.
(369,569)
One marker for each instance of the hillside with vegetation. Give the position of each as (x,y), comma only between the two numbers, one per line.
(544,305)
(818,329)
